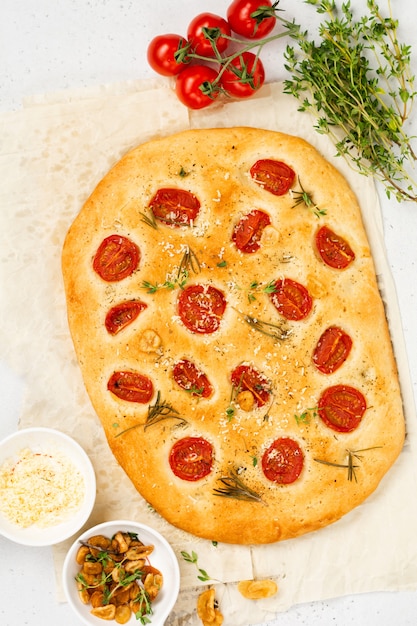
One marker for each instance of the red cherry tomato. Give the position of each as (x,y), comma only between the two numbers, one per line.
(131,386)
(341,408)
(189,377)
(161,54)
(253,19)
(243,76)
(194,86)
(216,26)
(175,207)
(191,458)
(123,314)
(116,258)
(273,176)
(332,350)
(291,299)
(333,249)
(247,378)
(201,308)
(283,461)
(248,231)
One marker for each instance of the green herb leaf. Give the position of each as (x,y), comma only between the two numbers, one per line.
(351,465)
(356,81)
(193,559)
(234,487)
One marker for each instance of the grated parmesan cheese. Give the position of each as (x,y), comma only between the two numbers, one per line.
(40,488)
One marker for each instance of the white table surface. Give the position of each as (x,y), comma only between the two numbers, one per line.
(53,45)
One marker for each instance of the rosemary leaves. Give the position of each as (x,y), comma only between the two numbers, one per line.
(157,412)
(234,487)
(353,458)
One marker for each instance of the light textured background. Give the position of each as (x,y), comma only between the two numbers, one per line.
(53,45)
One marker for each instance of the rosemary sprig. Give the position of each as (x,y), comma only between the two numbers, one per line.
(158,412)
(357,83)
(188,262)
(275,331)
(149,219)
(303,197)
(234,487)
(353,457)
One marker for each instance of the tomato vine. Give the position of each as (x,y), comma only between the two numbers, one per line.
(355,78)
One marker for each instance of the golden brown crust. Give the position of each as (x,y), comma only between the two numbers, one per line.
(217,163)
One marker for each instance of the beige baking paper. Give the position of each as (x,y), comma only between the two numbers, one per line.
(52,154)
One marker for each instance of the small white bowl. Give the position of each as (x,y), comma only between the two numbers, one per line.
(162,558)
(49,441)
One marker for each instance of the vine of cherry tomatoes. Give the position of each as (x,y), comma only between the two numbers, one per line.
(211,61)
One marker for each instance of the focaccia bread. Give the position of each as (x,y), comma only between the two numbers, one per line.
(225,312)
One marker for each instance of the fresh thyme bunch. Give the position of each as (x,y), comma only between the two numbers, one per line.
(358,84)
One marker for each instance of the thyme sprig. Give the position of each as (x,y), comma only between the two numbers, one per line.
(255,287)
(354,456)
(306,416)
(234,487)
(193,558)
(158,412)
(189,262)
(357,83)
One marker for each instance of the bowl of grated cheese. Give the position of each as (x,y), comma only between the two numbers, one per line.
(47,487)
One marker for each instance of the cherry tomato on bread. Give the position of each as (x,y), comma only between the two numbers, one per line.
(131,386)
(175,207)
(189,377)
(253,19)
(197,34)
(116,258)
(123,314)
(334,250)
(248,231)
(342,408)
(283,461)
(191,458)
(201,308)
(291,299)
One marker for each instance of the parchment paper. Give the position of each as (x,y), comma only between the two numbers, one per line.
(52,154)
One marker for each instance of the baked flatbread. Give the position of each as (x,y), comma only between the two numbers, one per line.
(225,313)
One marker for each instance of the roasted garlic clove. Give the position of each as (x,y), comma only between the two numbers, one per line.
(107,612)
(206,611)
(257,589)
(246,401)
(149,341)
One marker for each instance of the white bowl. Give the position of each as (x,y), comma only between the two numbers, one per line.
(49,441)
(162,557)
